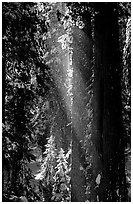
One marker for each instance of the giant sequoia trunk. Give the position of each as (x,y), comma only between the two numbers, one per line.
(107,104)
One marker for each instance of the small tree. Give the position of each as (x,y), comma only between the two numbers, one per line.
(47,172)
(61,189)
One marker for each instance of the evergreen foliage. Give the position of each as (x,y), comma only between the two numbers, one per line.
(47,172)
(61,187)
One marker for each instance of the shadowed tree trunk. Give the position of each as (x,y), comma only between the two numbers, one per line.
(108,106)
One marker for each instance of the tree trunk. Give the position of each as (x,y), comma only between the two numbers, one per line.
(108,109)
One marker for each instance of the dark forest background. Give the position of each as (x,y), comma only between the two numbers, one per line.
(38,162)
